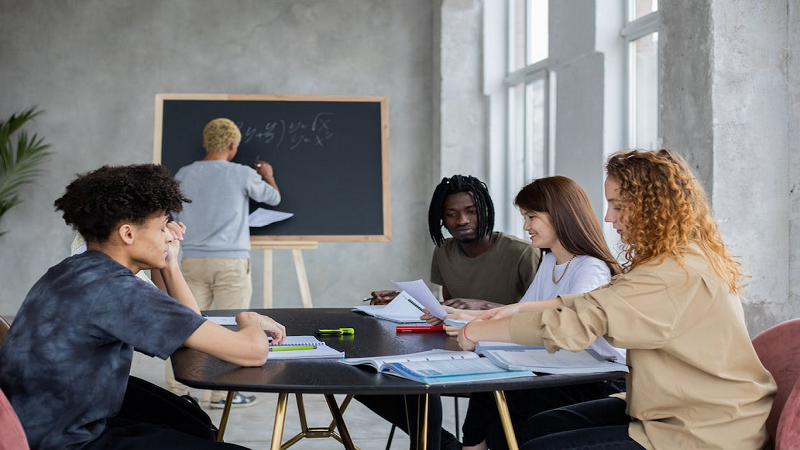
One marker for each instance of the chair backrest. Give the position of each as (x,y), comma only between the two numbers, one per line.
(778,348)
(4,327)
(13,436)
(788,435)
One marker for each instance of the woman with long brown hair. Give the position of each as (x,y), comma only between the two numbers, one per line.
(695,379)
(561,223)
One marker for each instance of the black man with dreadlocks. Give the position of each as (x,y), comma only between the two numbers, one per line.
(476,263)
(464,264)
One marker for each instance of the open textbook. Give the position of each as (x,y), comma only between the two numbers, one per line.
(438,367)
(307,347)
(403,309)
(521,357)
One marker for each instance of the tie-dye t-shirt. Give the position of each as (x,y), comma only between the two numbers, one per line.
(65,362)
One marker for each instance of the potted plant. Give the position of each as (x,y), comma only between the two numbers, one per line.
(20,158)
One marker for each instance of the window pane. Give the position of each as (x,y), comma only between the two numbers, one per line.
(518,35)
(640,8)
(646,94)
(516,137)
(537,30)
(535,155)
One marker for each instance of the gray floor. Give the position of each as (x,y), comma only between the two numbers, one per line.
(252,427)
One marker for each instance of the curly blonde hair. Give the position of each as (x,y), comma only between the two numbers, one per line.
(667,209)
(219,133)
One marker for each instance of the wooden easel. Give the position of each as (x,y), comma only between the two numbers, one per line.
(299,267)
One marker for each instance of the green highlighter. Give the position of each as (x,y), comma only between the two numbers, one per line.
(291,347)
(335,331)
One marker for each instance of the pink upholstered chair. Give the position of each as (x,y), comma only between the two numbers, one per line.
(13,436)
(788,437)
(779,351)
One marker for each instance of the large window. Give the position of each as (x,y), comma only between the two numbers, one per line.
(641,37)
(526,88)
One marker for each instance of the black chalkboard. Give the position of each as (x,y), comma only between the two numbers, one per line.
(330,156)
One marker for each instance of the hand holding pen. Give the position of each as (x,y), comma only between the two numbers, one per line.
(381,297)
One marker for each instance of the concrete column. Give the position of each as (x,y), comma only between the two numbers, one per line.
(460,108)
(726,106)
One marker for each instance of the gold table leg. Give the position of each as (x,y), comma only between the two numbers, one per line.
(280,418)
(223,422)
(337,416)
(422,416)
(505,419)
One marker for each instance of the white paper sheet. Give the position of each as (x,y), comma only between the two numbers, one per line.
(420,292)
(263,217)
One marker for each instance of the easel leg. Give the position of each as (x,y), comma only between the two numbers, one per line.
(267,278)
(302,279)
(505,419)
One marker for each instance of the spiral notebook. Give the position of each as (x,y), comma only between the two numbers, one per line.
(320,349)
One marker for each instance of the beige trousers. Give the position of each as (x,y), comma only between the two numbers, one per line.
(223,283)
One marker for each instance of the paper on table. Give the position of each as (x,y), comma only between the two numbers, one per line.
(420,292)
(263,217)
(220,320)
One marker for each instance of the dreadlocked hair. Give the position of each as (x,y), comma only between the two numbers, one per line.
(667,210)
(454,185)
(98,201)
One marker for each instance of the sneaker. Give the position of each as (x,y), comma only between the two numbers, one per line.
(239,401)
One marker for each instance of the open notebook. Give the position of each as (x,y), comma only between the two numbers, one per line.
(318,349)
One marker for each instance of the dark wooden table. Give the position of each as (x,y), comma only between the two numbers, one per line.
(372,337)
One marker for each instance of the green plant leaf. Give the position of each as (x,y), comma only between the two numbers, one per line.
(21,160)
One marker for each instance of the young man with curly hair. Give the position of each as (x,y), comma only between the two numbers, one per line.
(216,253)
(65,362)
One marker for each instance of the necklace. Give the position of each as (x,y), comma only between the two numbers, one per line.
(562,273)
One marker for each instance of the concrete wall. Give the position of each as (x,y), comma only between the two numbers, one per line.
(95,66)
(580,77)
(729,103)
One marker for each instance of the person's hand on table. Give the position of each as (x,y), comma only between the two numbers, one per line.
(470,303)
(382,297)
(273,328)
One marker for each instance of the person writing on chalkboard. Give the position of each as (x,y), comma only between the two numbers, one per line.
(216,251)
(476,263)
(695,379)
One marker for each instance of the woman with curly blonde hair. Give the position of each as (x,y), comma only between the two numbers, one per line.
(695,380)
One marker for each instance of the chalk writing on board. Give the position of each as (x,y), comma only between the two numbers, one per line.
(291,134)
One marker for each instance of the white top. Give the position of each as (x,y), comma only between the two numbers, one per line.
(585,273)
